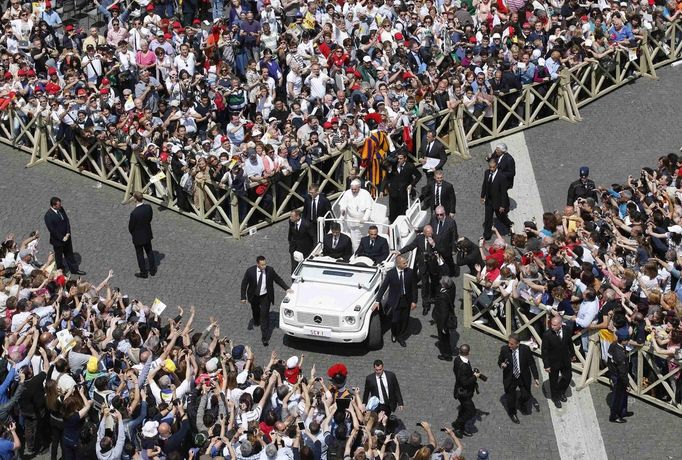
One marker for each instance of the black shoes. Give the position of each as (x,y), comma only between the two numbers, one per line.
(563,398)
(141,275)
(265,342)
(461,433)
(617,420)
(445,358)
(78,272)
(514,418)
(402,343)
(628,414)
(536,406)
(152,271)
(425,309)
(557,403)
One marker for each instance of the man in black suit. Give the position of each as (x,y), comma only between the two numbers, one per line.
(446,235)
(315,204)
(373,246)
(301,237)
(401,284)
(336,244)
(140,227)
(518,365)
(505,164)
(384,385)
(495,198)
(557,353)
(439,192)
(427,265)
(466,381)
(395,184)
(258,288)
(445,318)
(57,223)
(432,148)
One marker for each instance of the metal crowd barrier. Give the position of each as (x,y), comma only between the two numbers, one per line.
(649,377)
(537,103)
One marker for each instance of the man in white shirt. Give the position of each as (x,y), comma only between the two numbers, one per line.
(317,82)
(587,313)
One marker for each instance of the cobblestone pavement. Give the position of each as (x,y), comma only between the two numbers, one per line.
(201,266)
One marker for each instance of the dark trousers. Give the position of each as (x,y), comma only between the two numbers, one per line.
(400,317)
(56,430)
(488,222)
(467,410)
(559,383)
(31,436)
(430,286)
(397,206)
(64,254)
(260,309)
(523,397)
(619,398)
(446,341)
(140,251)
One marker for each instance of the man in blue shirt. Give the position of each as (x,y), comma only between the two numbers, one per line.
(620,33)
(51,16)
(7,447)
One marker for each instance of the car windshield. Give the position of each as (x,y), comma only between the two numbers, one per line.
(338,275)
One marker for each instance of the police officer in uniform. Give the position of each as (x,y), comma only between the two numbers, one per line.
(582,188)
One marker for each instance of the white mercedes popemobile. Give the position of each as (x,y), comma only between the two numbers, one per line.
(332,299)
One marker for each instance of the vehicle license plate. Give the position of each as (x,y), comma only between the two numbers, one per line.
(318,332)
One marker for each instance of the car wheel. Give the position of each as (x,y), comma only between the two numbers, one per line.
(375,336)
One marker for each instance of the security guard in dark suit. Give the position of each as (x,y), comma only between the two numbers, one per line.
(395,184)
(427,265)
(581,188)
(140,228)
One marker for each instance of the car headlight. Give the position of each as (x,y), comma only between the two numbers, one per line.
(288,313)
(349,320)
(286,300)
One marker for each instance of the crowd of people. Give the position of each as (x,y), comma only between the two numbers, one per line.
(231,95)
(608,263)
(89,373)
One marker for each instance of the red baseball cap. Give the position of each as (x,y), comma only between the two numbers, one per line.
(150,7)
(104,91)
(52,71)
(81,92)
(21,72)
(68,27)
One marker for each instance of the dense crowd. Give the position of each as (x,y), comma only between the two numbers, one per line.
(107,378)
(230,95)
(609,262)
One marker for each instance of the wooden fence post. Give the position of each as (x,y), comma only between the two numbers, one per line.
(568,108)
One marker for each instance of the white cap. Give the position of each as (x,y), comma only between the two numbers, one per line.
(496,35)
(150,429)
(675,229)
(541,62)
(292,362)
(366,59)
(212,365)
(242,376)
(587,43)
(256,132)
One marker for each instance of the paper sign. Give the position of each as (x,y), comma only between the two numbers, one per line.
(632,55)
(157,177)
(158,307)
(66,340)
(431,163)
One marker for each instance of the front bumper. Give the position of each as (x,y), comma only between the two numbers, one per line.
(329,335)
